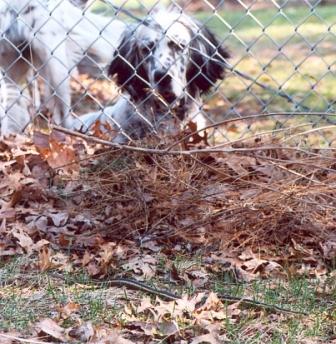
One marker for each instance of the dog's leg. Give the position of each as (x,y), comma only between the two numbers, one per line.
(55,73)
(86,122)
(106,121)
(196,113)
(14,108)
(14,95)
(120,119)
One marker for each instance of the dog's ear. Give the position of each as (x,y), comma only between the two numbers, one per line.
(129,66)
(207,63)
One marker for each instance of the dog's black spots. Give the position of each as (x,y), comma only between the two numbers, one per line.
(129,66)
(207,62)
(162,79)
(29,9)
(201,65)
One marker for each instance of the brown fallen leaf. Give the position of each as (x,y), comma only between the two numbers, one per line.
(9,338)
(143,265)
(59,218)
(51,328)
(44,260)
(213,337)
(83,333)
(206,338)
(7,213)
(108,336)
(212,310)
(68,309)
(151,245)
(93,269)
(240,164)
(57,150)
(146,327)
(24,240)
(168,328)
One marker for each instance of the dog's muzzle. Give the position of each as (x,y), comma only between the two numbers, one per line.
(163,85)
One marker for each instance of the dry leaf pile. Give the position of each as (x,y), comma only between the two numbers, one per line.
(262,209)
(277,202)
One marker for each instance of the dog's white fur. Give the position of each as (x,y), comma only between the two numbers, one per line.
(162,68)
(51,39)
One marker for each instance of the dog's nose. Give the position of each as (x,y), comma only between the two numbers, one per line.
(161,78)
(159,75)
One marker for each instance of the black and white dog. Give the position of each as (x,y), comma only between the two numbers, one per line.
(51,39)
(163,67)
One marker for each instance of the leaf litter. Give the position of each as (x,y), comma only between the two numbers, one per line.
(76,206)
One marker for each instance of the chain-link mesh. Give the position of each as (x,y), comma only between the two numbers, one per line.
(132,68)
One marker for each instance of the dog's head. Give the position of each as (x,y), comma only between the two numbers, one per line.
(171,55)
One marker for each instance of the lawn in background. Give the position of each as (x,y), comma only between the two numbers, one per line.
(293,48)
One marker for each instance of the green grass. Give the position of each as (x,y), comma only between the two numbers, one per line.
(278,24)
(29,297)
(136,7)
(249,25)
(26,298)
(298,294)
(275,48)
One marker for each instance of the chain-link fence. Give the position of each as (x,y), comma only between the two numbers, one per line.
(126,69)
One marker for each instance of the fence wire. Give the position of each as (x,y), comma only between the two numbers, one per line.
(132,68)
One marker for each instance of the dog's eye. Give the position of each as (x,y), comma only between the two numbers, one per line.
(148,47)
(176,46)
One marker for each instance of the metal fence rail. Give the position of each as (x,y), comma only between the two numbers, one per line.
(55,57)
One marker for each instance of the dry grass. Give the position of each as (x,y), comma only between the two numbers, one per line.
(258,197)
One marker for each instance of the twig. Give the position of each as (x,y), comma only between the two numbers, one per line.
(167,151)
(300,175)
(309,132)
(168,295)
(254,303)
(259,135)
(238,119)
(23,340)
(262,186)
